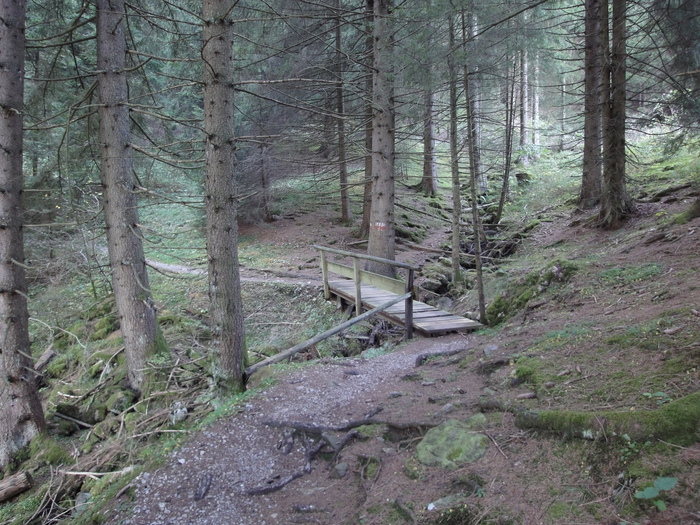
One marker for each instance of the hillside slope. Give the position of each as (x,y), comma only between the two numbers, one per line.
(619,334)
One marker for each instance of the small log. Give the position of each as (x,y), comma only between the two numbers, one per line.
(45,359)
(14,485)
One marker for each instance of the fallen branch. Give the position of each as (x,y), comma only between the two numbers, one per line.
(45,359)
(68,418)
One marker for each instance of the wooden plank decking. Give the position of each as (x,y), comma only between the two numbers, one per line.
(427,320)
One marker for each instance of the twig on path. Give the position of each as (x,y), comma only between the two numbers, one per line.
(496,443)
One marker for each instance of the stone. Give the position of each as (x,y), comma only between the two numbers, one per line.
(447,502)
(490,349)
(82,501)
(453,443)
(433,285)
(340,471)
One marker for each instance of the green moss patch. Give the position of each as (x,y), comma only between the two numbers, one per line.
(677,422)
(533,285)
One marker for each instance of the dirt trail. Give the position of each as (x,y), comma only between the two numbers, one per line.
(243,453)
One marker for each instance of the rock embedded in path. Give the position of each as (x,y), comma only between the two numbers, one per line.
(453,443)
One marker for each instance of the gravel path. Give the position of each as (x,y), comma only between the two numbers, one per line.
(208,480)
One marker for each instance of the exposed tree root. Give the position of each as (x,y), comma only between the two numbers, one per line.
(422,358)
(312,428)
(273,487)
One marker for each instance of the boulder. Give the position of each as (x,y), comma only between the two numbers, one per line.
(453,443)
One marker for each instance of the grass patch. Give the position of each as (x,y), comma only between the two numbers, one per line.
(630,274)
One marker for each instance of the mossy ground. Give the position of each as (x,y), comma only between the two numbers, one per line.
(617,332)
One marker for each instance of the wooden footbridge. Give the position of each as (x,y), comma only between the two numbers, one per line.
(392,298)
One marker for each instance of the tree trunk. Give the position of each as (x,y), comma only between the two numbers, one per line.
(126,257)
(345,214)
(454,162)
(589,195)
(508,145)
(226,307)
(21,416)
(382,228)
(429,180)
(264,185)
(615,202)
(562,116)
(536,107)
(476,219)
(524,106)
(367,197)
(471,30)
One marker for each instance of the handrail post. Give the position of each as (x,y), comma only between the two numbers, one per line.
(324,272)
(358,285)
(409,304)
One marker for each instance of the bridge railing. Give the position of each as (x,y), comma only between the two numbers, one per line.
(360,276)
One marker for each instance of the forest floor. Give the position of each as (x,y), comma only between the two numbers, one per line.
(622,334)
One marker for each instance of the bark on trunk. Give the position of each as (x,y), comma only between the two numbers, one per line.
(226,307)
(129,276)
(524,108)
(471,30)
(589,195)
(429,180)
(615,202)
(454,163)
(382,227)
(21,415)
(367,197)
(345,214)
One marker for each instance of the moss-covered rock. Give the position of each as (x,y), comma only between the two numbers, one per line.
(106,428)
(693,212)
(524,290)
(45,449)
(451,444)
(104,327)
(119,400)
